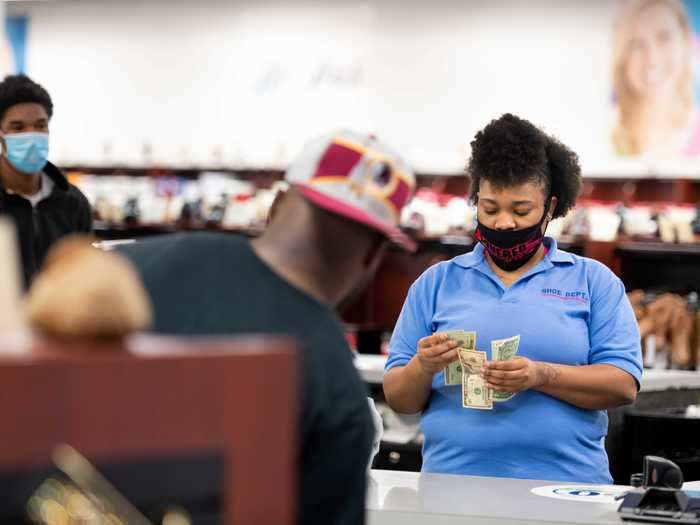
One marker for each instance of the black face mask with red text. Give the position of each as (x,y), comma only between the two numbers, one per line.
(511,249)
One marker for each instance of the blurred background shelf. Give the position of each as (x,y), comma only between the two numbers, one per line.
(661,266)
(110,231)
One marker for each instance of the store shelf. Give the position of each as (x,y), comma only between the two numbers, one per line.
(107,231)
(661,249)
(159,171)
(628,191)
(660,380)
(640,264)
(632,173)
(649,176)
(658,266)
(111,231)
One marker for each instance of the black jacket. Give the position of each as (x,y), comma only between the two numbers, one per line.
(63,212)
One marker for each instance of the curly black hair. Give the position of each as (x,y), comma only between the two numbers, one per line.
(511,151)
(19,89)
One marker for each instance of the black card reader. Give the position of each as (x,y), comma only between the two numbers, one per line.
(661,505)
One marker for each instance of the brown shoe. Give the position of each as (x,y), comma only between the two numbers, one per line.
(696,357)
(681,332)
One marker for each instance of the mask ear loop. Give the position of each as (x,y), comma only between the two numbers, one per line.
(547,217)
(550,214)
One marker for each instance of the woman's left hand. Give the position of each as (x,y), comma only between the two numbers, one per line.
(514,375)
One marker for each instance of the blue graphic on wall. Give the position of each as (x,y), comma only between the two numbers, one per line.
(16,31)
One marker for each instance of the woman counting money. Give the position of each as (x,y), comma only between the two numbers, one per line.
(578,351)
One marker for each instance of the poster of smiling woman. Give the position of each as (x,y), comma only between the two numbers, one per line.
(655,79)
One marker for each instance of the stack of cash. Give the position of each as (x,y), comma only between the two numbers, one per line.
(466,371)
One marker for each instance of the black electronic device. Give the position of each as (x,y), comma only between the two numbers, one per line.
(660,472)
(661,505)
(659,499)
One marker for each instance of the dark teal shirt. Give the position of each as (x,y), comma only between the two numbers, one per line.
(209,283)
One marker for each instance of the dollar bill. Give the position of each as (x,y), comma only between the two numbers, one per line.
(453,371)
(474,391)
(467,340)
(475,394)
(471,360)
(453,374)
(503,350)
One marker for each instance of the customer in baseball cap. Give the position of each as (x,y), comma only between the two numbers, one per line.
(323,242)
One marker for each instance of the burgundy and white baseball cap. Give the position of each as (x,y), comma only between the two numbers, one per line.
(358,177)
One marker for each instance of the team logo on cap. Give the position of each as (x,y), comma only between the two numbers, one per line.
(366,171)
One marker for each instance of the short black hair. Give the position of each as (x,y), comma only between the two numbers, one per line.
(20,89)
(511,151)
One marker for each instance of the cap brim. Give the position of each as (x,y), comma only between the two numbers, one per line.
(393,233)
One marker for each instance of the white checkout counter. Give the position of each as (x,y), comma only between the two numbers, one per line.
(371,368)
(411,498)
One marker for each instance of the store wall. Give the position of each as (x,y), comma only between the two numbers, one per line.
(244,83)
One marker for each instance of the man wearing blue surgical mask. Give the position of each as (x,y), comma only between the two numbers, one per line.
(34,192)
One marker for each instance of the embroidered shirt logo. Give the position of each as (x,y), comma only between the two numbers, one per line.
(565,295)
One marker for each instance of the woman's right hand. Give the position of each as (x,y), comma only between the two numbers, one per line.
(435,352)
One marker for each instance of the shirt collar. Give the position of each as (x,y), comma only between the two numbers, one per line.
(44,192)
(47,185)
(53,174)
(555,254)
(476,256)
(472,258)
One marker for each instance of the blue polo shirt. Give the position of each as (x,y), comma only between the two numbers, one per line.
(567,309)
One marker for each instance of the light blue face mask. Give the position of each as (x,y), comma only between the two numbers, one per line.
(27,152)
